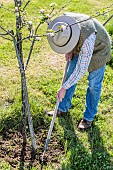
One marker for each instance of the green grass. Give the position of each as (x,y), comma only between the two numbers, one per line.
(92,150)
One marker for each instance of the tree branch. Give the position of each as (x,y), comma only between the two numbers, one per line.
(18,55)
(108,20)
(26,4)
(23,39)
(3,29)
(5,37)
(6,8)
(93,16)
(51,11)
(9,32)
(61,8)
(3,33)
(32,45)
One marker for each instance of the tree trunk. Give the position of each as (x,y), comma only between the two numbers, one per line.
(25,101)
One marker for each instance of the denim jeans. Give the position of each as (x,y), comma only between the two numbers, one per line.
(92,95)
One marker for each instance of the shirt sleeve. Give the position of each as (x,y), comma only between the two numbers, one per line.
(82,63)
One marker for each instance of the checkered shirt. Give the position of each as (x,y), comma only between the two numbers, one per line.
(82,63)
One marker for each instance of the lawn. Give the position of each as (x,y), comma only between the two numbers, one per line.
(69,149)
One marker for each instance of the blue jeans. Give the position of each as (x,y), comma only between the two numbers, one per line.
(93,91)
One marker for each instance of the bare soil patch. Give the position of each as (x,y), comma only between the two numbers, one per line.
(13,151)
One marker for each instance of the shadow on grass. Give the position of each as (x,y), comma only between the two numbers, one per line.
(99,155)
(77,157)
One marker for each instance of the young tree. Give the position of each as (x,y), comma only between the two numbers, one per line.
(17,39)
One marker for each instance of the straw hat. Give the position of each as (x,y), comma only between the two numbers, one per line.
(66,34)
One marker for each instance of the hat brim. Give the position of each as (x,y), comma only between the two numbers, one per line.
(74,38)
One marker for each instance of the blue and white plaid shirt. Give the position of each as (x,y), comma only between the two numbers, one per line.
(82,63)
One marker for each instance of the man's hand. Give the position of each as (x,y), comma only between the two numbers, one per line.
(68,56)
(61,94)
